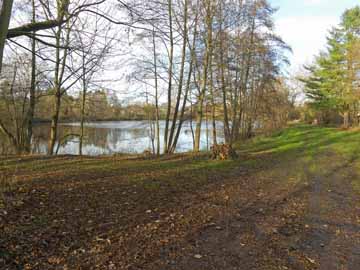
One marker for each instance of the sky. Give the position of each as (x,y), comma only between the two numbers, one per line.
(304,24)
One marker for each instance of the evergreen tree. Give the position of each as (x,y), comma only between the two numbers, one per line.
(332,83)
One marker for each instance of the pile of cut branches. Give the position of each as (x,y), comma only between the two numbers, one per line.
(223,152)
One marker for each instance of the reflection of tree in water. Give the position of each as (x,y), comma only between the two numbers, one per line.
(138,133)
(126,139)
(41,134)
(97,137)
(114,136)
(106,140)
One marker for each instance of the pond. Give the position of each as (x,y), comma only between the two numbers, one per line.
(106,138)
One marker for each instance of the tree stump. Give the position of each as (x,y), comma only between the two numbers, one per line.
(223,152)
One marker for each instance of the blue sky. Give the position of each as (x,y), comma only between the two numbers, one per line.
(304,24)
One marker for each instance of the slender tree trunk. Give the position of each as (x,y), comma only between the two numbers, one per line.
(54,123)
(152,133)
(213,108)
(57,96)
(5,15)
(157,114)
(32,96)
(171,56)
(244,88)
(225,107)
(222,78)
(151,122)
(199,116)
(208,54)
(346,121)
(81,139)
(17,122)
(181,77)
(191,120)
(83,104)
(207,124)
(59,73)
(188,85)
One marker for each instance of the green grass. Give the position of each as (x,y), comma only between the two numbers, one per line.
(314,150)
(305,145)
(305,138)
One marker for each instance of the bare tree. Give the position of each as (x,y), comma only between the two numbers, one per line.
(208,6)
(92,53)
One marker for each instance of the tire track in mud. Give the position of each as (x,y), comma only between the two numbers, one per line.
(323,234)
(332,213)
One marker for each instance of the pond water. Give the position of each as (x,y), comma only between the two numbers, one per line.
(106,138)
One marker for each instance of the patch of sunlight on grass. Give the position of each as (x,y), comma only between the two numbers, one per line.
(289,139)
(309,139)
(284,148)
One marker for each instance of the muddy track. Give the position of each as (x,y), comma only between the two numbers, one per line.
(311,225)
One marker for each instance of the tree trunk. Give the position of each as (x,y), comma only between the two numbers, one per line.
(181,77)
(213,108)
(157,114)
(199,116)
(56,114)
(170,74)
(222,78)
(5,15)
(346,118)
(188,85)
(83,104)
(54,123)
(150,121)
(208,54)
(32,94)
(207,125)
(60,64)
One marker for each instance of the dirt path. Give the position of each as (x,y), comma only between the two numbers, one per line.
(313,224)
(334,213)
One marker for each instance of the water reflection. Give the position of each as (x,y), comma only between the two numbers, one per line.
(104,138)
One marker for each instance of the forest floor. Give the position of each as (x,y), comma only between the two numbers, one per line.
(291,201)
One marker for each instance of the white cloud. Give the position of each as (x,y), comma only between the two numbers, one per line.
(305,34)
